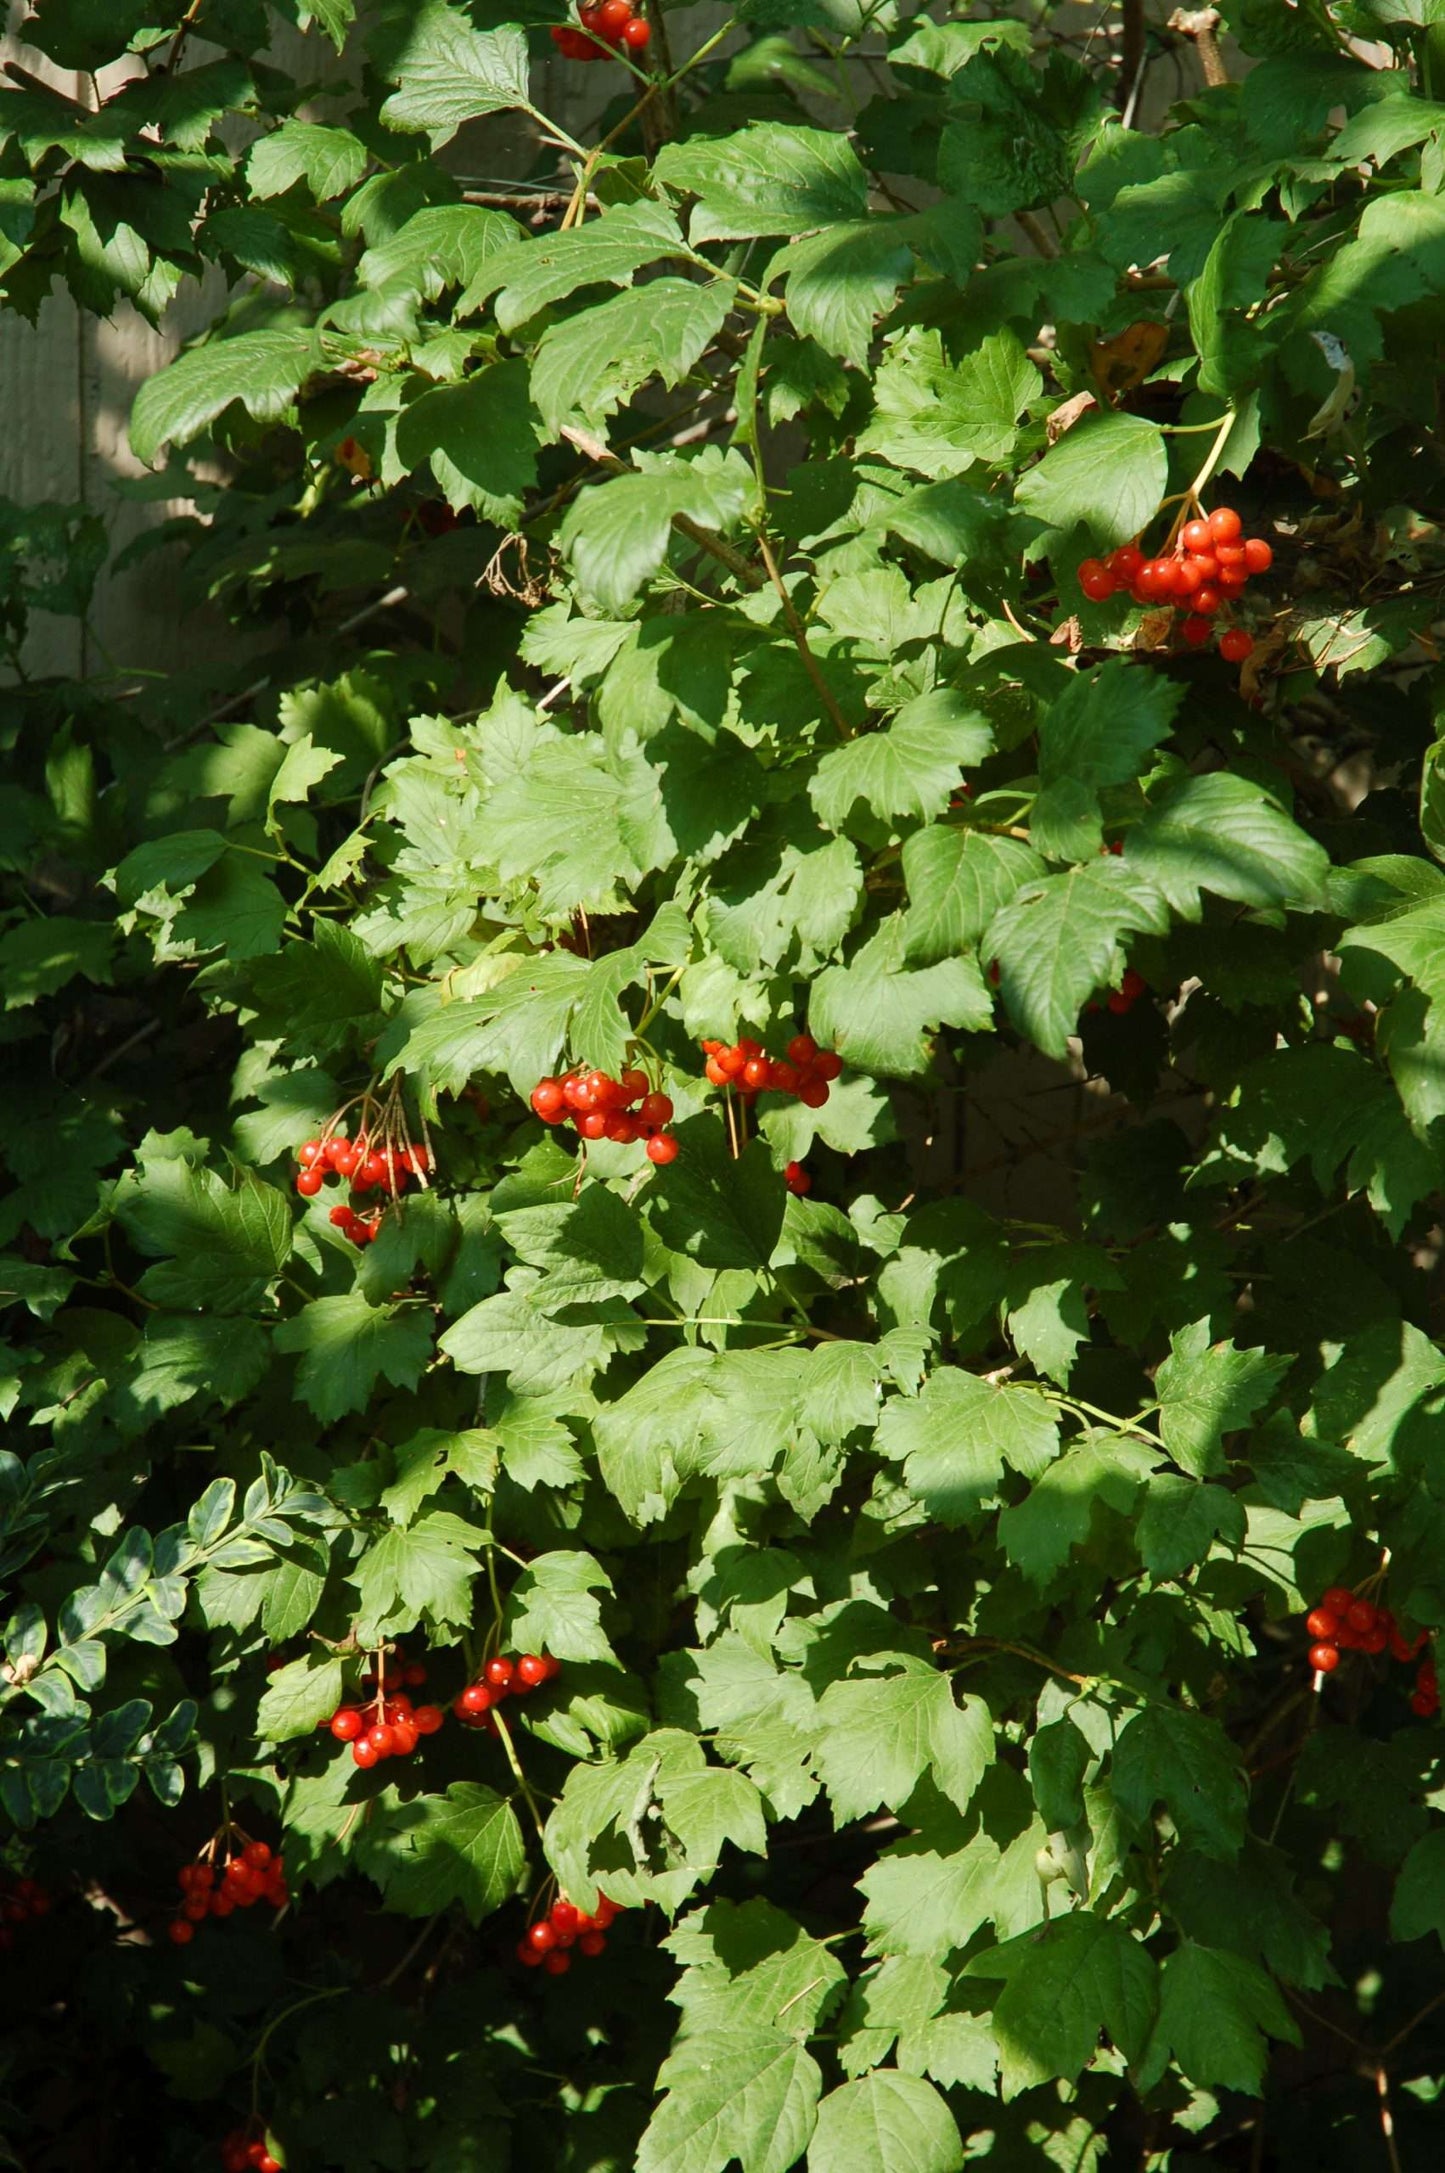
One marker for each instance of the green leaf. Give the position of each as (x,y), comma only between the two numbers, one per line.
(346,1346)
(465,1846)
(938,418)
(263,370)
(1214,2010)
(1107,473)
(1064,1984)
(477,438)
(1059,940)
(957,880)
(748,1966)
(1057,1513)
(735,2096)
(227,1246)
(1418,1907)
(1223,834)
(924,1900)
(329,160)
(878,1013)
(770,179)
(39,956)
(532,275)
(958,1436)
(885,2123)
(447,74)
(1207,1390)
(417,1572)
(839,282)
(594,363)
(440,246)
(881,1736)
(1181,1521)
(1098,733)
(1188,1763)
(519,1027)
(909,768)
(721,1212)
(553,1607)
(299,1697)
(616,534)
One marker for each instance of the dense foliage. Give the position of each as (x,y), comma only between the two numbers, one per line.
(854,1487)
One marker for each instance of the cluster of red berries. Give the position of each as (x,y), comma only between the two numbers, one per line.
(1121,1000)
(1342,1622)
(19,1904)
(604,29)
(368,1167)
(386,1725)
(600,1107)
(243,1877)
(240,2151)
(1209,563)
(806,1071)
(548,1943)
(503,1677)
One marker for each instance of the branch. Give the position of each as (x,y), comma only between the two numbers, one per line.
(799,633)
(1200,25)
(1131,57)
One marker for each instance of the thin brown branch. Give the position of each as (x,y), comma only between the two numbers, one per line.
(1201,27)
(1131,54)
(799,633)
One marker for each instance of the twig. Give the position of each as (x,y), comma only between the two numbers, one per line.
(1414,2022)
(1387,2118)
(1132,52)
(1200,25)
(799,633)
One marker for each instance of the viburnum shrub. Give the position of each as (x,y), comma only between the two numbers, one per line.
(724,1138)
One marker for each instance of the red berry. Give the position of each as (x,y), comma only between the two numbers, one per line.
(181,1933)
(755,1074)
(1224,525)
(1258,556)
(636,33)
(556,1963)
(613,17)
(531,1670)
(427,1719)
(565,1916)
(1096,581)
(403,1739)
(528,1955)
(802,1049)
(662,1149)
(1208,600)
(797,1180)
(499,1672)
(257,1855)
(605,1912)
(1196,631)
(714,1072)
(1360,1616)
(365,1752)
(476,1698)
(542,1936)
(1339,1599)
(1195,535)
(593,1125)
(655,1110)
(1375,1640)
(1236,645)
(1230,555)
(267,2164)
(307,1152)
(828,1066)
(309,1183)
(592,1942)
(1324,1623)
(1124,563)
(1324,1659)
(343,1157)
